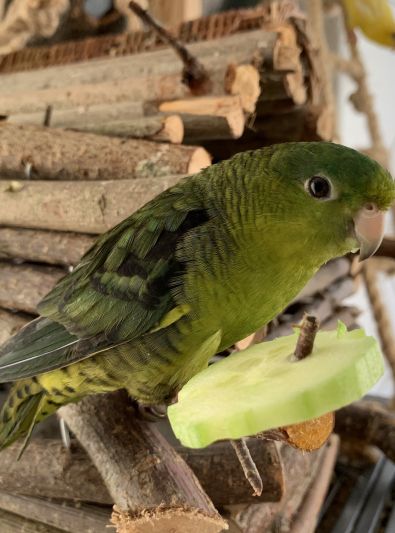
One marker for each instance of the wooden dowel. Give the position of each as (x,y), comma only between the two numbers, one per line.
(29,152)
(149,482)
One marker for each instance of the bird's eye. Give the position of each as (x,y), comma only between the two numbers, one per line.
(319,187)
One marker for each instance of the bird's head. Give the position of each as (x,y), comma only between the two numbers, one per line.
(334,196)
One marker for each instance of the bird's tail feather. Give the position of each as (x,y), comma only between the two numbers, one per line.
(26,404)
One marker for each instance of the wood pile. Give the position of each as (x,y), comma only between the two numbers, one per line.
(91,131)
(265,84)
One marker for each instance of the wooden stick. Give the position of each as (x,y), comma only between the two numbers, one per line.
(370,423)
(154,128)
(194,75)
(151,485)
(47,153)
(57,248)
(307,517)
(200,128)
(12,523)
(47,469)
(79,206)
(23,286)
(66,516)
(11,323)
(308,331)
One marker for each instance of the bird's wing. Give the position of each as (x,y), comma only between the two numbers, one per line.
(121,289)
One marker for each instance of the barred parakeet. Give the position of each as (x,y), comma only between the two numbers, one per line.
(198,268)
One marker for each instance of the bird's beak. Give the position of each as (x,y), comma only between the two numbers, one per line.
(369,230)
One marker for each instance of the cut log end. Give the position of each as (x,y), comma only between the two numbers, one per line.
(173,129)
(200,159)
(243,81)
(163,520)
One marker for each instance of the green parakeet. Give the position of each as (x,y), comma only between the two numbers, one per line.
(198,268)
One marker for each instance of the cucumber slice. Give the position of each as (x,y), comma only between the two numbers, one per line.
(263,387)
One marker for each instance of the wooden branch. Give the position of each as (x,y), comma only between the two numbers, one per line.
(151,485)
(23,286)
(11,323)
(199,128)
(12,523)
(194,74)
(387,248)
(370,423)
(56,248)
(65,515)
(308,330)
(46,153)
(154,128)
(80,206)
(47,469)
(308,514)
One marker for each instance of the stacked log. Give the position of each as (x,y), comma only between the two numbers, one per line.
(265,85)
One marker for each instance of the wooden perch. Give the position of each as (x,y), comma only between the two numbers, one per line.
(368,422)
(28,152)
(153,489)
(48,469)
(80,206)
(23,286)
(66,516)
(40,246)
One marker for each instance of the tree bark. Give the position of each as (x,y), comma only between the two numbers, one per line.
(23,286)
(11,323)
(56,248)
(157,128)
(152,487)
(45,153)
(65,516)
(12,523)
(370,423)
(47,469)
(79,206)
